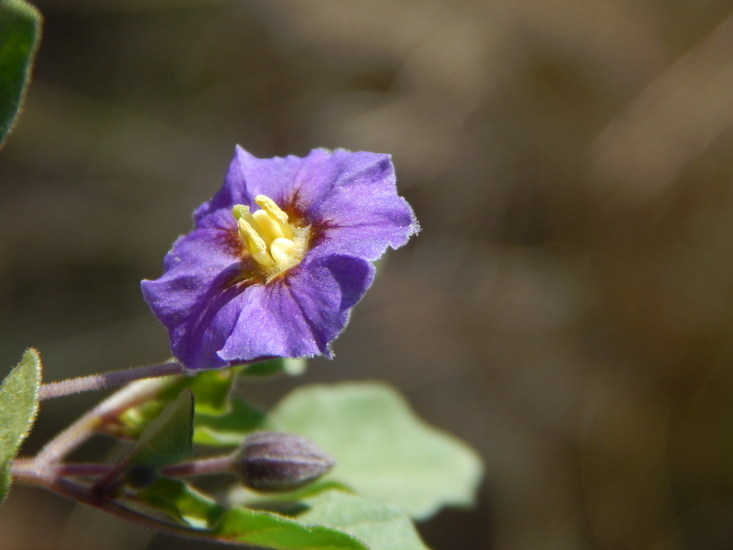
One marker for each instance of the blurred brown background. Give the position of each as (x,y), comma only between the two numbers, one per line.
(567,309)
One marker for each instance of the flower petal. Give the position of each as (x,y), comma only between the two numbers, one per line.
(357,206)
(196,284)
(195,342)
(189,270)
(353,196)
(246,178)
(299,314)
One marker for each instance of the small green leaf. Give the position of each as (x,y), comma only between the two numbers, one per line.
(380,526)
(182,502)
(20,26)
(274,531)
(243,496)
(18,407)
(168,438)
(211,390)
(382,450)
(230,429)
(287,365)
(131,423)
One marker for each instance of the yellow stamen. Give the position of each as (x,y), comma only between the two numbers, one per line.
(254,243)
(277,215)
(281,250)
(269,238)
(270,228)
(241,211)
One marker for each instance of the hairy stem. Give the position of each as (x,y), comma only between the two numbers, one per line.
(81,430)
(108,379)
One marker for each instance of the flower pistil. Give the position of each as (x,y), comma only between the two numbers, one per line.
(274,243)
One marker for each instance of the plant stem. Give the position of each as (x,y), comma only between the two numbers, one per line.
(222,464)
(23,470)
(108,379)
(81,430)
(80,493)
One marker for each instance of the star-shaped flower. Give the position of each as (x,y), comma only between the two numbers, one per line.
(278,257)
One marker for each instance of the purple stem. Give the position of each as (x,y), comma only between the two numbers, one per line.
(25,469)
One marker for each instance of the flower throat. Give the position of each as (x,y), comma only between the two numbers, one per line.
(273,243)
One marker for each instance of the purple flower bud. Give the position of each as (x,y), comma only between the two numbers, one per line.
(273,461)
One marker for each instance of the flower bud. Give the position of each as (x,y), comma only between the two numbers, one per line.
(273,461)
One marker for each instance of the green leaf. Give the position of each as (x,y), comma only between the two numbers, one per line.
(382,450)
(380,526)
(230,429)
(274,531)
(275,501)
(20,26)
(131,423)
(287,365)
(18,407)
(182,502)
(168,438)
(211,391)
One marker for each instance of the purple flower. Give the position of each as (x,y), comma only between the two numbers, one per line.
(278,257)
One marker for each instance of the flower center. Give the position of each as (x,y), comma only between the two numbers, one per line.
(266,234)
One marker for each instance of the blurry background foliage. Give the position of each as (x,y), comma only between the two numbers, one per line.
(567,310)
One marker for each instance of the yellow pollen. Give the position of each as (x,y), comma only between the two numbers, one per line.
(266,234)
